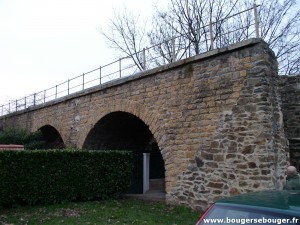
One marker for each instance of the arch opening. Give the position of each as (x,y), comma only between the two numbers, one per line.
(125,131)
(52,137)
(294,146)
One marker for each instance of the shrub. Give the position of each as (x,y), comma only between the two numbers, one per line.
(31,140)
(40,177)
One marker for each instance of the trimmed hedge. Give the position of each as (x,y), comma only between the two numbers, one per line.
(52,176)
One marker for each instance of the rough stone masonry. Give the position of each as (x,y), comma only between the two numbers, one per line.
(216,117)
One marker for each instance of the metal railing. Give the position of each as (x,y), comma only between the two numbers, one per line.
(215,35)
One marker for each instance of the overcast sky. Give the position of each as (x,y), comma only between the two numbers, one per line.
(46,42)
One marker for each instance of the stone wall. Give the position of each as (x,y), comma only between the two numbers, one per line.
(243,145)
(216,118)
(290,92)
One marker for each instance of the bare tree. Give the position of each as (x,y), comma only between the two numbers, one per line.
(167,45)
(190,27)
(127,35)
(177,32)
(279,26)
(190,19)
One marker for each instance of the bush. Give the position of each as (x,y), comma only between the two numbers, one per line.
(40,177)
(30,140)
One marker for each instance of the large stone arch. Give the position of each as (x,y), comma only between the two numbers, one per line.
(134,108)
(119,131)
(110,124)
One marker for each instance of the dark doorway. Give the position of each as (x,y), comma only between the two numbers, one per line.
(124,131)
(52,137)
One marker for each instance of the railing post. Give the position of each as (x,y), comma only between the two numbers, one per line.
(55,91)
(8,107)
(211,33)
(16,105)
(34,96)
(68,86)
(120,67)
(100,75)
(25,102)
(44,96)
(144,58)
(256,20)
(83,81)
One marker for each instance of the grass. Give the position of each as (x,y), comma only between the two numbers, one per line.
(100,212)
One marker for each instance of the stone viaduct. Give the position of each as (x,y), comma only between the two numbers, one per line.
(216,120)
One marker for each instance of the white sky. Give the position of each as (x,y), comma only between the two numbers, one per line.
(46,42)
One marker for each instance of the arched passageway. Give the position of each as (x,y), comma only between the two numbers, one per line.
(52,137)
(124,131)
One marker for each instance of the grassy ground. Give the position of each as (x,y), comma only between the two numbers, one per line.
(100,212)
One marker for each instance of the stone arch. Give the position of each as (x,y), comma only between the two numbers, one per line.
(52,137)
(140,111)
(124,130)
(118,131)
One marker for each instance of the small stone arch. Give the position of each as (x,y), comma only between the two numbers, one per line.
(52,137)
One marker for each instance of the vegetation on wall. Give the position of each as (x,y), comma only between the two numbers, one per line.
(40,177)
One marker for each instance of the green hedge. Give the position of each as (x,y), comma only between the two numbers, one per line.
(40,177)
